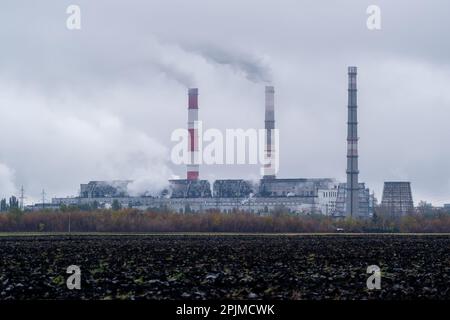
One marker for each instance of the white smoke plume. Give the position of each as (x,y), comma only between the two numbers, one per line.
(252,67)
(7,186)
(150,182)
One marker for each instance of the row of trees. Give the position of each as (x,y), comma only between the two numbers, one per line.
(11,205)
(132,220)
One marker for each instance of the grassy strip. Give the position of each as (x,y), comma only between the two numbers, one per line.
(206,234)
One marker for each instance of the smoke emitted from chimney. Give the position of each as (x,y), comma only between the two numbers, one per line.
(7,186)
(149,182)
(172,72)
(253,68)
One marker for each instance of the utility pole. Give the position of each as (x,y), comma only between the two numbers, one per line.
(43,198)
(22,197)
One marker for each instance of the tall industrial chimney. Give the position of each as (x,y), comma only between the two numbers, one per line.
(352,198)
(269,168)
(193,167)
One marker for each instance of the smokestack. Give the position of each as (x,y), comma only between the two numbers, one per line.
(193,167)
(352,199)
(269,168)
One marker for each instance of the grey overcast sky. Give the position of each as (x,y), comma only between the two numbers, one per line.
(101,102)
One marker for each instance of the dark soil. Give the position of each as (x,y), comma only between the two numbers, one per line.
(225,267)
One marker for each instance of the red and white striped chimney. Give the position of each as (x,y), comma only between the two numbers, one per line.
(193,167)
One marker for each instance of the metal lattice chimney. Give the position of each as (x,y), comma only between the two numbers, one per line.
(269,169)
(352,198)
(193,167)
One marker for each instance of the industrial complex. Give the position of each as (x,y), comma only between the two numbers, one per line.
(268,194)
(397,197)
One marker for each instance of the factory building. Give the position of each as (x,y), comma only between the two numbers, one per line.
(258,205)
(234,188)
(365,202)
(303,196)
(294,187)
(99,189)
(189,189)
(397,198)
(326,200)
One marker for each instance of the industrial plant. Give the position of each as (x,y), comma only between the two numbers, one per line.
(397,197)
(267,195)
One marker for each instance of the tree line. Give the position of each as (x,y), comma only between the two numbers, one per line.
(133,220)
(11,205)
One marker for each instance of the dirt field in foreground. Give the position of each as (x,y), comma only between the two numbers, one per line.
(225,266)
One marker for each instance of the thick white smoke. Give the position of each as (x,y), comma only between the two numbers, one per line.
(7,186)
(253,68)
(70,141)
(150,181)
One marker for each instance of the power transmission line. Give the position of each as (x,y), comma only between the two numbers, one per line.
(43,198)
(22,197)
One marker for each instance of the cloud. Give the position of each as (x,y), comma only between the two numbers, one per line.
(101,103)
(65,146)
